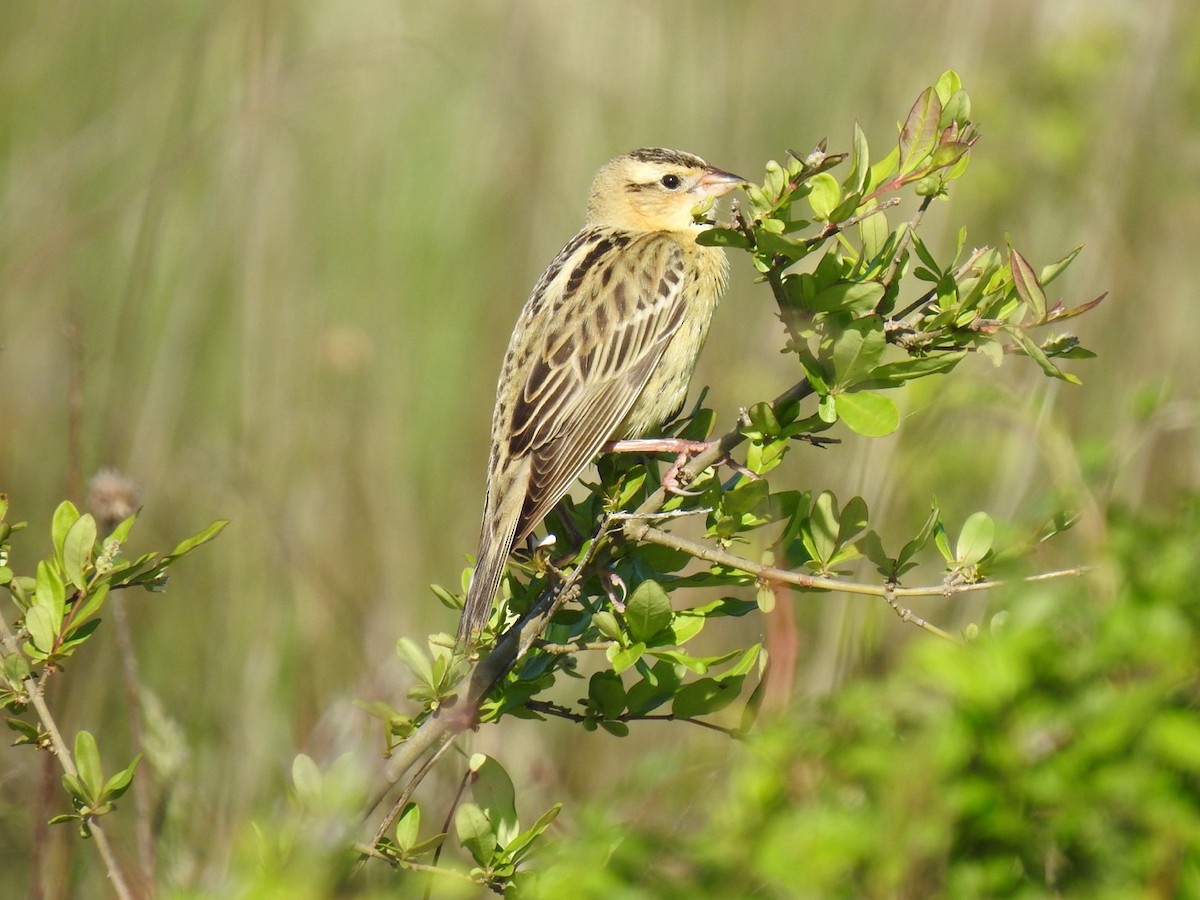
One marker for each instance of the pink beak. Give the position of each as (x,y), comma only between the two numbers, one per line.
(718,182)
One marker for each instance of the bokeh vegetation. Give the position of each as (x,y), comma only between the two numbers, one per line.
(263,257)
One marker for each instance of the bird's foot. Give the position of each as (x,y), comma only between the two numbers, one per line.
(672,481)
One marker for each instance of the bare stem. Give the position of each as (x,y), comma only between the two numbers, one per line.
(59,747)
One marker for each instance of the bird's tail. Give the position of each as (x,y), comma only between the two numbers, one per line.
(495,543)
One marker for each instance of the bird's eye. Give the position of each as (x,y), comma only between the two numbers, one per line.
(670,182)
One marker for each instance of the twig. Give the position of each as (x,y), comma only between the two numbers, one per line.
(60,750)
(578,647)
(561,712)
(907,615)
(133,699)
(903,243)
(640,532)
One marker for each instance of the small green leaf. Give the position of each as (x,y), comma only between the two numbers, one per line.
(120,534)
(50,593)
(119,783)
(78,546)
(417,662)
(853,296)
(87,762)
(607,694)
(826,193)
(856,182)
(626,657)
(975,539)
(823,527)
(43,629)
(607,625)
(187,545)
(868,413)
(475,832)
(64,517)
(516,849)
(306,779)
(723,237)
(1052,271)
(704,696)
(408,828)
(648,611)
(857,350)
(493,790)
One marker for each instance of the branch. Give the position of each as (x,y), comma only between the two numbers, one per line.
(641,532)
(554,709)
(60,750)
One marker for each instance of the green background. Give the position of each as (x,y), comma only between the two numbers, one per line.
(264,257)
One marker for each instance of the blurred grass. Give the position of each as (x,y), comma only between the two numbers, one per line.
(293,240)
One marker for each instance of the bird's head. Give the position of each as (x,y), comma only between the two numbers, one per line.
(655,190)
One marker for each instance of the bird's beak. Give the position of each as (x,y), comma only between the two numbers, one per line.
(718,182)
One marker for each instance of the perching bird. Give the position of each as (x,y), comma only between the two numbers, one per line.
(604,348)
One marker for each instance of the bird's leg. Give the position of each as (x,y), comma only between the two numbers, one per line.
(686,450)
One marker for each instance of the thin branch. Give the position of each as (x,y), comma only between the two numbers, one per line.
(59,747)
(907,615)
(913,223)
(562,712)
(578,647)
(640,532)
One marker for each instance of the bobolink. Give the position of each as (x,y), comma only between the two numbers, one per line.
(604,348)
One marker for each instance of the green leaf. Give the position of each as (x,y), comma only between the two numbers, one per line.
(975,539)
(493,790)
(868,413)
(76,636)
(1034,352)
(417,662)
(42,626)
(87,762)
(50,592)
(856,182)
(607,625)
(408,828)
(626,657)
(607,694)
(853,296)
(723,237)
(922,538)
(947,84)
(745,664)
(475,832)
(187,545)
(64,517)
(119,783)
(307,780)
(516,849)
(704,696)
(1052,271)
(120,534)
(873,233)
(78,546)
(823,527)
(826,193)
(648,611)
(896,373)
(857,350)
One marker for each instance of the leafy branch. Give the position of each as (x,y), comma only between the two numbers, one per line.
(867,306)
(59,612)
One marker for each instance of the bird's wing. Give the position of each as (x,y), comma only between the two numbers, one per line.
(618,311)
